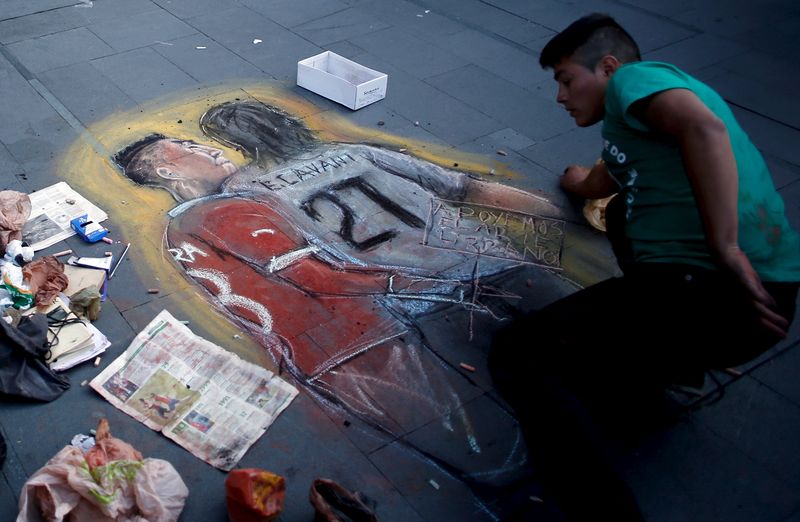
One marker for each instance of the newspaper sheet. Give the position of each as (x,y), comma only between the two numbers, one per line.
(201,396)
(52,208)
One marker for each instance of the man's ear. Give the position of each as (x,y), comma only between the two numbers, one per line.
(609,64)
(165,171)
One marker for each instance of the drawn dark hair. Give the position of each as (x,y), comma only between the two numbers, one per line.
(263,133)
(135,163)
(587,40)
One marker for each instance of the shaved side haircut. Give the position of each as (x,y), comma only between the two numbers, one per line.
(587,40)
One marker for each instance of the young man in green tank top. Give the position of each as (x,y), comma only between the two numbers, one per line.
(711,266)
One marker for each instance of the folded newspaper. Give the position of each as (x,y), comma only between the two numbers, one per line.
(196,393)
(52,208)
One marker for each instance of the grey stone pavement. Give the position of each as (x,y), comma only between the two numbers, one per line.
(467,71)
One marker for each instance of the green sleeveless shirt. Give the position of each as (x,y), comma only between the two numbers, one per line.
(663,222)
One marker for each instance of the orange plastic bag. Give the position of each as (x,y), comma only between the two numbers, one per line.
(254,495)
(46,279)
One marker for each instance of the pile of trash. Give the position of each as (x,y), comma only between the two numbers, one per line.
(47,308)
(103,479)
(46,319)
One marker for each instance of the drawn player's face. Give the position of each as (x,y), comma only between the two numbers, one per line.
(191,161)
(581,91)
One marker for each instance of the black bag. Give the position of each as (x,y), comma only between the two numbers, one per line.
(23,370)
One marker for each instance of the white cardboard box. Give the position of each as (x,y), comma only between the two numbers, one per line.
(341,80)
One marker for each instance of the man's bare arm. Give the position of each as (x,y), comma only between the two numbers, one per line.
(711,167)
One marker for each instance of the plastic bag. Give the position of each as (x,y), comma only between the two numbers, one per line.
(254,495)
(16,291)
(110,482)
(86,303)
(335,503)
(46,279)
(15,209)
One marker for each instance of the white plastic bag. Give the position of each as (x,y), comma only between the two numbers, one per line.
(109,483)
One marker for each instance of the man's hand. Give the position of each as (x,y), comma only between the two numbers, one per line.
(594,183)
(763,304)
(573,177)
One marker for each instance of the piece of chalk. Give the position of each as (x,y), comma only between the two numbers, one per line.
(108,240)
(108,254)
(62,253)
(467,367)
(97,361)
(85,382)
(152,290)
(434,484)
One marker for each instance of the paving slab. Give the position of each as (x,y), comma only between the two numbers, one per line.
(185,9)
(413,18)
(691,473)
(125,70)
(512,167)
(435,495)
(770,136)
(342,25)
(736,19)
(578,146)
(238,29)
(493,54)
(59,49)
(85,91)
(538,118)
(8,166)
(489,19)
(379,117)
(289,13)
(140,30)
(347,49)
(748,93)
(442,115)
(109,10)
(39,24)
(408,52)
(36,149)
(777,39)
(762,424)
(207,61)
(19,8)
(697,52)
(496,454)
(783,172)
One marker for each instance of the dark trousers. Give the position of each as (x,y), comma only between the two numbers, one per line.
(579,368)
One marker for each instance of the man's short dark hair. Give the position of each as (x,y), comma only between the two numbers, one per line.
(136,166)
(587,40)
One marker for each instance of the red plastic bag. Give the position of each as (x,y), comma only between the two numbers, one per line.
(254,495)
